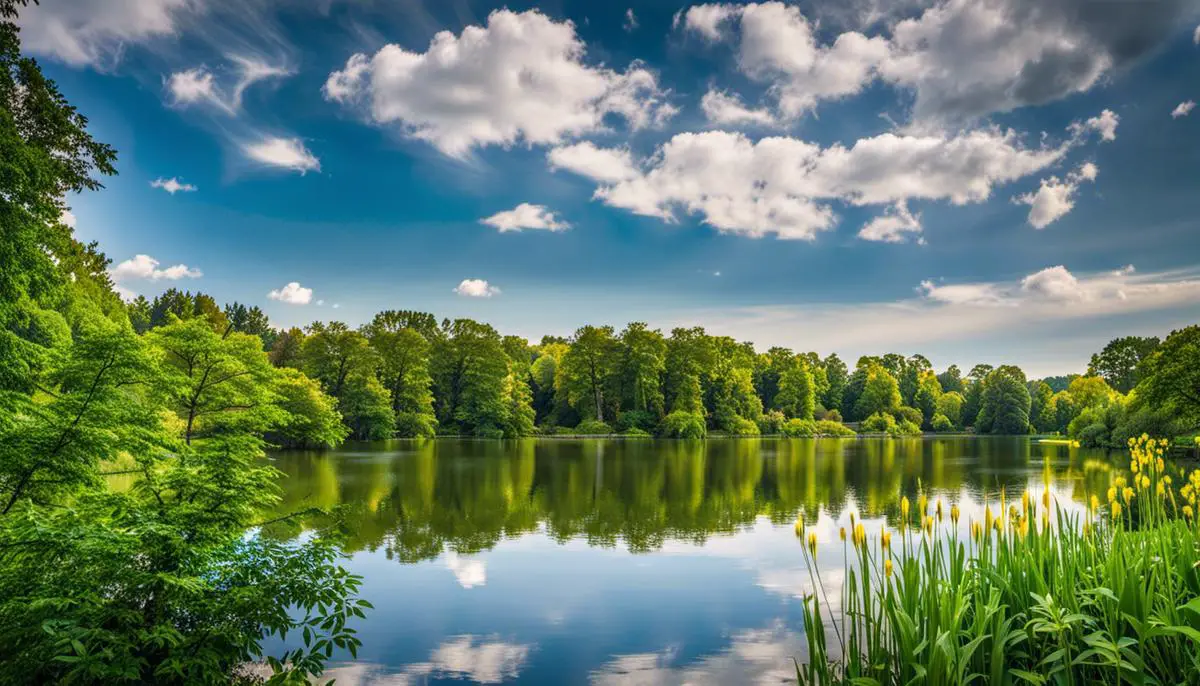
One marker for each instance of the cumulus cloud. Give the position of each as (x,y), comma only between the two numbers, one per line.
(1054,198)
(469,572)
(893,226)
(476,288)
(520,78)
(526,216)
(293,294)
(172,185)
(285,153)
(146,267)
(67,217)
(724,109)
(465,657)
(1183,109)
(607,165)
(1104,124)
(198,84)
(962,59)
(785,186)
(83,33)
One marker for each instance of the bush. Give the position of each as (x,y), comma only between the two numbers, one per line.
(941,423)
(591,427)
(635,419)
(907,428)
(1095,435)
(744,427)
(827,427)
(415,425)
(909,414)
(800,428)
(878,423)
(683,425)
(771,422)
(635,433)
(834,416)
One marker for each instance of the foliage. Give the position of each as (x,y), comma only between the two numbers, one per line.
(929,391)
(950,406)
(312,417)
(880,392)
(636,419)
(593,427)
(941,423)
(1119,363)
(807,428)
(772,422)
(837,377)
(1090,391)
(682,424)
(909,414)
(1005,403)
(587,372)
(643,361)
(1033,595)
(880,422)
(796,397)
(1171,375)
(403,355)
(744,427)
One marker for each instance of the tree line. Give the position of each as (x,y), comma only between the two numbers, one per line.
(407,374)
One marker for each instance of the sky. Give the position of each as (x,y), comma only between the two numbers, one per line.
(1000,181)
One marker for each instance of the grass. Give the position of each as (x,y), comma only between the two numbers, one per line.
(1031,595)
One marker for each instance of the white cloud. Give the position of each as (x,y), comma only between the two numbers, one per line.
(469,572)
(1196,35)
(1183,109)
(293,294)
(172,185)
(1104,124)
(83,32)
(631,22)
(962,59)
(465,657)
(892,226)
(784,186)
(198,84)
(607,165)
(526,216)
(476,288)
(961,294)
(520,78)
(146,267)
(68,218)
(287,153)
(1054,197)
(1055,283)
(727,110)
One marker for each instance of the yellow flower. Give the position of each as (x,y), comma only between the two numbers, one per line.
(887,568)
(1094,504)
(922,504)
(1145,482)
(842,534)
(939,509)
(1187,511)
(954,513)
(1159,465)
(800,526)
(1127,494)
(1161,489)
(1025,501)
(1046,499)
(886,539)
(928,524)
(812,543)
(1116,510)
(987,516)
(904,508)
(860,535)
(1133,466)
(976,530)
(1112,493)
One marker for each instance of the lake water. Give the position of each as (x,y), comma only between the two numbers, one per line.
(644,562)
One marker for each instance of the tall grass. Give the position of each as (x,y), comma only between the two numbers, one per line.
(1031,595)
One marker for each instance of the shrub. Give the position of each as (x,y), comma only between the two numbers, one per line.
(941,423)
(834,416)
(592,427)
(772,422)
(683,425)
(1095,435)
(415,425)
(635,419)
(827,427)
(880,422)
(800,428)
(907,428)
(909,414)
(744,427)
(635,433)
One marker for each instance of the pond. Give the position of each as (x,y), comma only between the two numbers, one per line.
(560,561)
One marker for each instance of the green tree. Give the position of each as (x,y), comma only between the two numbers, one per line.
(251,320)
(796,397)
(643,363)
(951,379)
(926,397)
(470,373)
(1171,375)
(1119,362)
(1090,391)
(880,394)
(910,378)
(404,371)
(286,351)
(838,377)
(343,362)
(589,368)
(950,406)
(1005,403)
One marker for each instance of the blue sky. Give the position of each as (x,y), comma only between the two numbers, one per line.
(970,180)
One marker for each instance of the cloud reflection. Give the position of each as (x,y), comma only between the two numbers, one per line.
(484,661)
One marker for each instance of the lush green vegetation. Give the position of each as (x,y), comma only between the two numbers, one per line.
(1030,595)
(157,582)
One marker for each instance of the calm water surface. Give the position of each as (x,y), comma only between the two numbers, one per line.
(643,562)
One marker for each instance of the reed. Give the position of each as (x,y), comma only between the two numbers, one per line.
(1032,594)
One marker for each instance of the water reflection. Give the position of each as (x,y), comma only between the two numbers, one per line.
(552,562)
